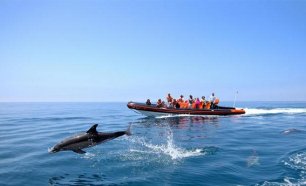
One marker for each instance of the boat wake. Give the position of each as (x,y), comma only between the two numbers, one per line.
(173,116)
(251,111)
(186,115)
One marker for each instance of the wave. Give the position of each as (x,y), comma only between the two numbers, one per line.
(258,111)
(295,162)
(168,148)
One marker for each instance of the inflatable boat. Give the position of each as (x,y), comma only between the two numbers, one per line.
(153,110)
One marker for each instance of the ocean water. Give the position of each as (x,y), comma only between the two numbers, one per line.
(266,146)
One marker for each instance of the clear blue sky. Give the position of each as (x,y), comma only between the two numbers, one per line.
(121,50)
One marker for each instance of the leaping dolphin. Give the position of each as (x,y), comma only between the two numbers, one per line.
(84,140)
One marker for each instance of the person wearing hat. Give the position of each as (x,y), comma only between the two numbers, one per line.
(212,100)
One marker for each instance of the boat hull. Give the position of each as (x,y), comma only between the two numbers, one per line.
(153,111)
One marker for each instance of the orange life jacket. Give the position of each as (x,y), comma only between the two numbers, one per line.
(193,105)
(216,101)
(207,105)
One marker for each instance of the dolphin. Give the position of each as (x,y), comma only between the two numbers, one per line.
(84,140)
(289,131)
(253,159)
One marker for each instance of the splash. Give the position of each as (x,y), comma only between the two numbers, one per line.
(88,155)
(169,149)
(50,149)
(275,111)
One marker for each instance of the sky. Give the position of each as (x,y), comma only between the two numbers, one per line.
(131,50)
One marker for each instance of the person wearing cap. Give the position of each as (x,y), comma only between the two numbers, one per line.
(212,100)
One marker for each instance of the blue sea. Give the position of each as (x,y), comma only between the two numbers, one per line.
(266,146)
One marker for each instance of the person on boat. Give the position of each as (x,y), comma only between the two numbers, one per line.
(164,104)
(191,100)
(148,102)
(197,103)
(175,104)
(186,104)
(216,102)
(159,103)
(212,100)
(203,102)
(169,99)
(181,99)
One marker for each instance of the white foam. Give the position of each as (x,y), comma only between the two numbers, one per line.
(287,181)
(169,149)
(186,115)
(88,155)
(251,111)
(297,161)
(172,115)
(50,149)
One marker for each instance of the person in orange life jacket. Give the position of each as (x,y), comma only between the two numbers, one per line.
(203,101)
(197,103)
(181,99)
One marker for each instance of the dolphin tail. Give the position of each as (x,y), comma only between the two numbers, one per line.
(128,131)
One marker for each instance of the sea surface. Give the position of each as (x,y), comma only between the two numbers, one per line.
(266,146)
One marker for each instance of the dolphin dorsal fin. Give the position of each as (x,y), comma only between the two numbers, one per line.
(93,129)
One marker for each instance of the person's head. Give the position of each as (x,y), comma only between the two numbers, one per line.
(181,96)
(213,94)
(148,100)
(203,97)
(169,94)
(159,100)
(198,99)
(174,100)
(190,96)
